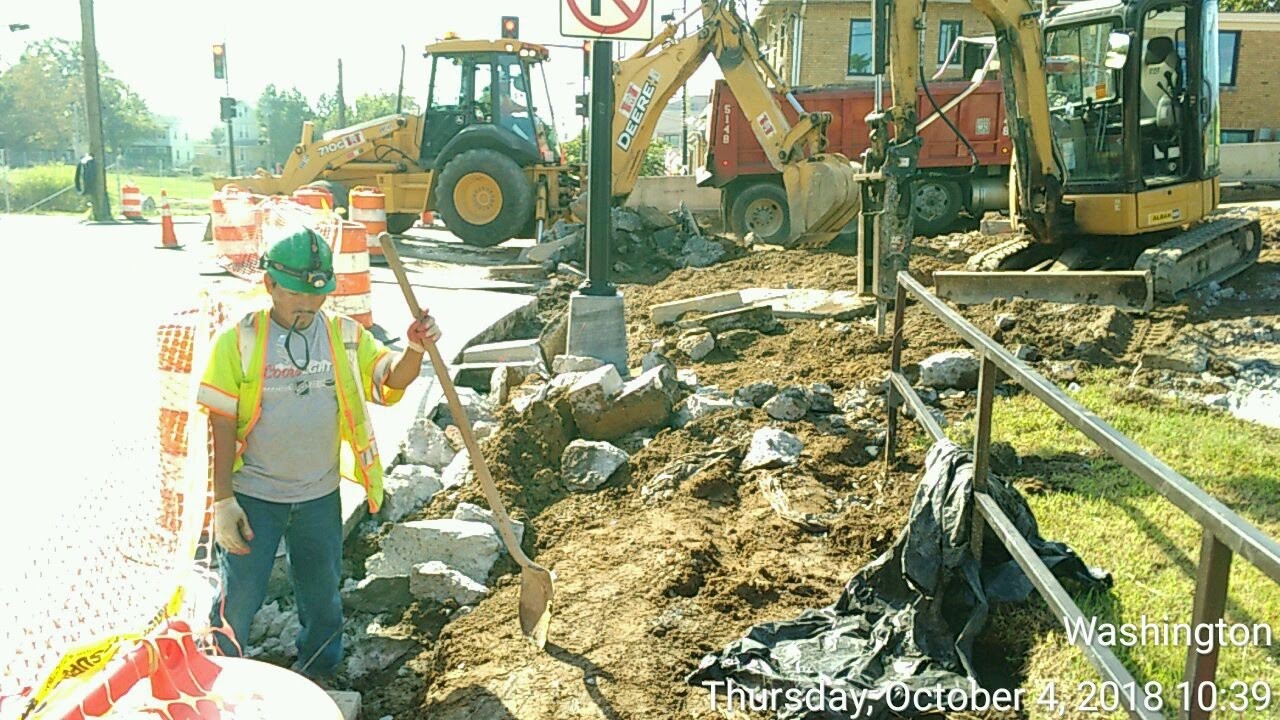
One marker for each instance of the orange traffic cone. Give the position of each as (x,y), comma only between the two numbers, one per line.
(168,237)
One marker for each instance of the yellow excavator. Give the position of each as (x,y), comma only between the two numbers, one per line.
(1114,116)
(482,157)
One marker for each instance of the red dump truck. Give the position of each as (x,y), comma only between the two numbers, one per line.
(752,195)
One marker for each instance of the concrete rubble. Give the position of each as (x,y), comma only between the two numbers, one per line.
(951,369)
(588,464)
(697,344)
(469,547)
(442,584)
(707,401)
(407,488)
(573,363)
(474,513)
(426,444)
(458,472)
(772,447)
(641,403)
(789,404)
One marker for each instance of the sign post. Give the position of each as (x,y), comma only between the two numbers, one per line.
(597,324)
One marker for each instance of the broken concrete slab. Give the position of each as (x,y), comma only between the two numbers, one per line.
(589,396)
(697,345)
(1182,358)
(789,404)
(545,251)
(554,336)
(506,351)
(801,304)
(407,488)
(654,218)
(440,583)
(669,312)
(627,221)
(426,444)
(757,393)
(700,252)
(699,405)
(458,472)
(348,702)
(653,359)
(475,513)
(951,369)
(642,403)
(518,273)
(588,464)
(823,399)
(475,405)
(995,224)
(574,363)
(772,447)
(378,594)
(468,547)
(737,340)
(753,317)
(505,377)
(479,376)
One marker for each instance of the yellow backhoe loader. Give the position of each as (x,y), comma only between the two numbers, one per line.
(482,157)
(1114,115)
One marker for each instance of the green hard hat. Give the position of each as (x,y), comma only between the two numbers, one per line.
(301,261)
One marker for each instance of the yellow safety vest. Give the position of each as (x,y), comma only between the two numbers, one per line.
(232,387)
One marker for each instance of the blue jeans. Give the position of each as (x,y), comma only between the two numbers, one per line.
(312,532)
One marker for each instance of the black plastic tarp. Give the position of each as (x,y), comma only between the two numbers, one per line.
(902,633)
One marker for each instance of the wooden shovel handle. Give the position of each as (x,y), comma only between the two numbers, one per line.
(455,407)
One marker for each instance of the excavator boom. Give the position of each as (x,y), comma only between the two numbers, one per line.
(822,188)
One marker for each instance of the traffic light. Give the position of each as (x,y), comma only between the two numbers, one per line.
(586,58)
(584,104)
(228,108)
(220,61)
(510,27)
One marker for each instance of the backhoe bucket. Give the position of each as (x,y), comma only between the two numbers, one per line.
(823,195)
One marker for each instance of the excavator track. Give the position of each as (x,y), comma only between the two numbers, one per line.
(1020,253)
(1212,251)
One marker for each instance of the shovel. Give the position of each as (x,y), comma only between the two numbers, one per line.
(536,589)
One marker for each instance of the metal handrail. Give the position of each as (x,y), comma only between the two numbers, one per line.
(1224,531)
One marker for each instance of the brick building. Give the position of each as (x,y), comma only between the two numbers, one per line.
(828,42)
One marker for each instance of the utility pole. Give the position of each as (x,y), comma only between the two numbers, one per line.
(684,100)
(93,113)
(231,128)
(342,102)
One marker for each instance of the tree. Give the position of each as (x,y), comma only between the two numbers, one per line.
(281,114)
(42,102)
(367,107)
(655,156)
(217,135)
(1248,5)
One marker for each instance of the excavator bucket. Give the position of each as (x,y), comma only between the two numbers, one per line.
(824,195)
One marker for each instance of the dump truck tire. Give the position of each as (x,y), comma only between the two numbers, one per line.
(484,197)
(937,205)
(399,223)
(762,209)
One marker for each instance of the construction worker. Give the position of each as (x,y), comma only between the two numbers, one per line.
(286,389)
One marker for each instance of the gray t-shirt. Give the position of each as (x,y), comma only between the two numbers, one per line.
(291,454)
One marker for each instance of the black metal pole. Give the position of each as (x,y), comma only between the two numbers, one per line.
(600,172)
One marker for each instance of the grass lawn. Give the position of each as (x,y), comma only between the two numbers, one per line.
(187,195)
(1114,521)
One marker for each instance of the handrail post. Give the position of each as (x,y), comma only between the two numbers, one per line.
(988,374)
(895,365)
(1212,576)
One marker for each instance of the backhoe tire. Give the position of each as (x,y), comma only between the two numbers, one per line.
(399,223)
(762,209)
(484,197)
(337,190)
(937,205)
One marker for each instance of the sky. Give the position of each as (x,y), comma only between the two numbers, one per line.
(163,49)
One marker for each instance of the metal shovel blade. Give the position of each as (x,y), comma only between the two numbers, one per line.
(536,594)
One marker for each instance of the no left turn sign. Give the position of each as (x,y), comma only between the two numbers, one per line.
(607,19)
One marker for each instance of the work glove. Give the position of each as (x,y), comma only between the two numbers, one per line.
(423,331)
(231,526)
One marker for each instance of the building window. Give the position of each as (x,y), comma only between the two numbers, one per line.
(948,31)
(1228,54)
(1236,136)
(859,47)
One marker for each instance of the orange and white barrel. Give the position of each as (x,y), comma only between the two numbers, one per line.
(314,197)
(131,201)
(368,206)
(352,296)
(234,215)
